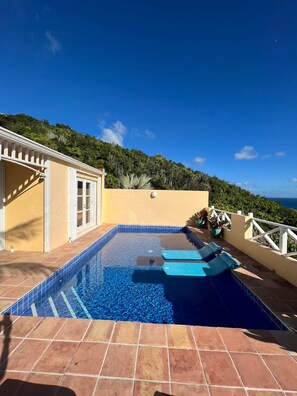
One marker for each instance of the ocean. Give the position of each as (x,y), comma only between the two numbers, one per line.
(287,202)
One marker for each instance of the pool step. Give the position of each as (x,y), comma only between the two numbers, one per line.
(83,307)
(67,303)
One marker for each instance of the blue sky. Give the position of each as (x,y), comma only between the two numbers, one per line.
(211,84)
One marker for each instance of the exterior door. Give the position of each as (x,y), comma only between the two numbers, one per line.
(86,204)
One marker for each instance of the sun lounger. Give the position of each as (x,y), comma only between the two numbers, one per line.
(214,267)
(202,254)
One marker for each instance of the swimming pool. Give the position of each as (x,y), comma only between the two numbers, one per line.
(121,278)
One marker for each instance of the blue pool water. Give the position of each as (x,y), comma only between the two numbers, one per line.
(125,281)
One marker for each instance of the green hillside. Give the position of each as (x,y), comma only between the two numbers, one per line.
(166,174)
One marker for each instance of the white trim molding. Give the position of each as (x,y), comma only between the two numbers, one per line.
(2,206)
(47,206)
(24,151)
(72,207)
(98,200)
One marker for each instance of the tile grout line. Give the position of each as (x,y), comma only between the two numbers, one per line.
(38,360)
(150,381)
(22,338)
(168,357)
(136,358)
(273,376)
(230,357)
(200,360)
(79,344)
(104,358)
(46,339)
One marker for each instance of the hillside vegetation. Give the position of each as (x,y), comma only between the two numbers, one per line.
(166,174)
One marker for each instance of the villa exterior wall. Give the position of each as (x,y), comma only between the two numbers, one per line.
(239,236)
(137,207)
(23,209)
(59,202)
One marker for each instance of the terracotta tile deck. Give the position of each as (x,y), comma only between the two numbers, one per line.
(68,357)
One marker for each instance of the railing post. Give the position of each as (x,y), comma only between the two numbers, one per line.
(212,211)
(239,212)
(283,240)
(251,230)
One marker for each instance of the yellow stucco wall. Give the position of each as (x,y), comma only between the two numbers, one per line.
(23,209)
(239,235)
(59,184)
(137,207)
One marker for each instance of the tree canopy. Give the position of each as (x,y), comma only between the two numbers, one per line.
(164,174)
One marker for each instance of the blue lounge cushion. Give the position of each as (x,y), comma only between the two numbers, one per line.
(202,254)
(214,267)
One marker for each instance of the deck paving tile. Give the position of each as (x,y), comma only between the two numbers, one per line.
(57,357)
(265,393)
(23,326)
(278,305)
(290,319)
(112,387)
(73,330)
(253,371)
(12,344)
(4,289)
(264,342)
(6,302)
(284,369)
(25,356)
(152,364)
(80,386)
(3,278)
(189,390)
(119,361)
(208,338)
(185,366)
(180,336)
(10,382)
(99,330)
(221,391)
(236,340)
(16,292)
(87,359)
(153,334)
(33,281)
(144,388)
(40,384)
(15,280)
(47,328)
(126,332)
(292,304)
(219,369)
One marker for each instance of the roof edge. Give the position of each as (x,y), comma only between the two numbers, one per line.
(23,141)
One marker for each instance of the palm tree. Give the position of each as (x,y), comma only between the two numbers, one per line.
(134,182)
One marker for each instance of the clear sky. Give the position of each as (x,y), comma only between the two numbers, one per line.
(211,84)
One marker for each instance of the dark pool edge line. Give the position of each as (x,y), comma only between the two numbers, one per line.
(268,312)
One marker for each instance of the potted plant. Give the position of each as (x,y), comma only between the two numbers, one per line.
(201,218)
(216,224)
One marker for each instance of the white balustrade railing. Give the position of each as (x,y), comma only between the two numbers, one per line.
(277,237)
(281,232)
(221,215)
